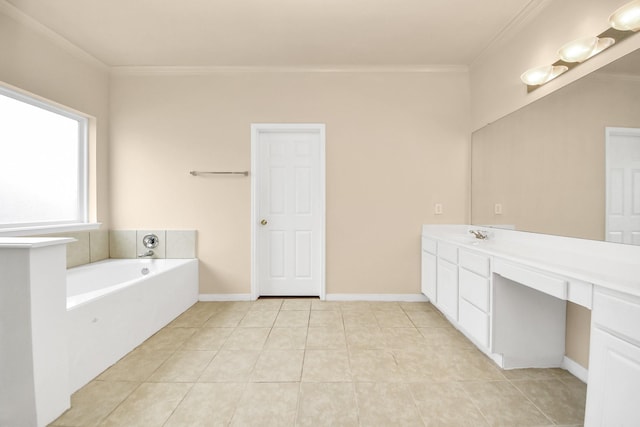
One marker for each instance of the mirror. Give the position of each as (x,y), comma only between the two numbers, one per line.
(542,168)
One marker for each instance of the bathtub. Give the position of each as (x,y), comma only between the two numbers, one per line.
(114,305)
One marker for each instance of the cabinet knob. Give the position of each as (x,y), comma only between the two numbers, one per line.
(264,222)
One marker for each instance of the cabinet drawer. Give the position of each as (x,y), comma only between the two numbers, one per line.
(429,245)
(621,316)
(474,262)
(474,322)
(474,288)
(550,285)
(448,252)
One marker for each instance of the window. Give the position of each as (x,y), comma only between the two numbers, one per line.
(43,164)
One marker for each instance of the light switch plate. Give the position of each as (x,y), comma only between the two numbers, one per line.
(437,209)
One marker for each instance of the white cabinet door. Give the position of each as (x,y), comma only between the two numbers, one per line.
(429,276)
(474,322)
(447,288)
(614,382)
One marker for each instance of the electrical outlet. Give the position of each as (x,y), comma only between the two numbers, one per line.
(437,209)
(497,209)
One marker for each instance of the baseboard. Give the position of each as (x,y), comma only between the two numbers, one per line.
(377,297)
(224,297)
(576,369)
(329,297)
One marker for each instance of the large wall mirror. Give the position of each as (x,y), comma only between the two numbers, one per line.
(543,168)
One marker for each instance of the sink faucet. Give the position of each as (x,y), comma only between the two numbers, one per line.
(482,235)
(147,254)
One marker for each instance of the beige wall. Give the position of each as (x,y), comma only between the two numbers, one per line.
(34,62)
(496,89)
(396,144)
(578,334)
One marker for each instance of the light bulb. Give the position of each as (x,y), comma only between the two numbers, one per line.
(626,18)
(583,49)
(541,75)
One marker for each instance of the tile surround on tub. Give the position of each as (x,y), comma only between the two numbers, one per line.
(181,244)
(98,245)
(172,243)
(78,252)
(122,243)
(89,246)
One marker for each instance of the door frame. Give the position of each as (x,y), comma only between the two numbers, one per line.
(256,129)
(610,133)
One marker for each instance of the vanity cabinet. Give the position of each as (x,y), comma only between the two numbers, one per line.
(429,269)
(488,298)
(474,314)
(614,364)
(447,280)
(457,282)
(447,289)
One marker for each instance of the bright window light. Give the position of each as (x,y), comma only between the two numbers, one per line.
(43,163)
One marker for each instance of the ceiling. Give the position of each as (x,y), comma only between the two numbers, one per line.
(278,33)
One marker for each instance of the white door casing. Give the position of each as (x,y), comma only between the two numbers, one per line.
(288,210)
(622,185)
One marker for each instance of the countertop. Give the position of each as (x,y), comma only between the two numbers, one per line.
(609,265)
(32,242)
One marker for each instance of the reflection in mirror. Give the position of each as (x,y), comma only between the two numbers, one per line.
(543,166)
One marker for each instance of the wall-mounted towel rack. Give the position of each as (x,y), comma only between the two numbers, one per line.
(196,173)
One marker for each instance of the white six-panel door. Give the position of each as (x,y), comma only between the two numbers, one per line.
(288,210)
(623,185)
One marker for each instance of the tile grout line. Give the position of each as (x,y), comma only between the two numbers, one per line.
(473,402)
(199,328)
(353,382)
(211,361)
(532,402)
(103,419)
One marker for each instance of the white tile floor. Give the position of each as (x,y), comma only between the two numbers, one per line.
(304,362)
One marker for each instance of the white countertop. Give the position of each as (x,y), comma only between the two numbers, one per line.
(32,242)
(609,265)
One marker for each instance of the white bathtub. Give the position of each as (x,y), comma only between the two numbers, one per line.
(113,306)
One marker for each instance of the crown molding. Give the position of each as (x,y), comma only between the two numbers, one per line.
(19,16)
(522,18)
(206,70)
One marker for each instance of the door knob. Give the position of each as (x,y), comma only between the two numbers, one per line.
(263,222)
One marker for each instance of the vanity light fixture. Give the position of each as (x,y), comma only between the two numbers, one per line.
(541,75)
(583,49)
(627,18)
(624,22)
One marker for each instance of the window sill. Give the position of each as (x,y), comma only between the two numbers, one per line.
(49,229)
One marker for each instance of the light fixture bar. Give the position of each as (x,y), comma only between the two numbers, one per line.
(611,33)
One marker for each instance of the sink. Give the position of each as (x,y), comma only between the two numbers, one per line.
(465,240)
